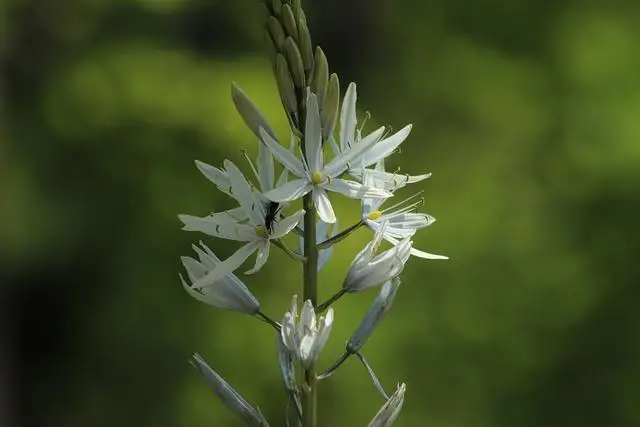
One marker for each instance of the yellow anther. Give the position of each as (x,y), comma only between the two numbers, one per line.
(374,215)
(262,231)
(317,178)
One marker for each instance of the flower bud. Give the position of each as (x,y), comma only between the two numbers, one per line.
(289,21)
(249,112)
(306,49)
(294,60)
(330,107)
(276,5)
(390,410)
(374,316)
(285,86)
(227,293)
(320,76)
(276,32)
(227,395)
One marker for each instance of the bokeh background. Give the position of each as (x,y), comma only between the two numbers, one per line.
(525,111)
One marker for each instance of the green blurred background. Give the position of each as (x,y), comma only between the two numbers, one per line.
(526,111)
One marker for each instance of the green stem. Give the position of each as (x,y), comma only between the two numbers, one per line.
(310,292)
(338,237)
(322,307)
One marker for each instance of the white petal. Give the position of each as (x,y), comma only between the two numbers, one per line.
(284,156)
(287,224)
(323,205)
(416,252)
(355,190)
(215,226)
(387,146)
(243,193)
(290,191)
(265,167)
(228,265)
(215,175)
(353,155)
(261,258)
(313,134)
(348,119)
(334,146)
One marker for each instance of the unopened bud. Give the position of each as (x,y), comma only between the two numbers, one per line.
(306,50)
(296,5)
(249,112)
(320,76)
(276,5)
(330,107)
(374,316)
(289,21)
(276,32)
(285,85)
(294,60)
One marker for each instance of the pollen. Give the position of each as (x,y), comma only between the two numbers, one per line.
(261,231)
(317,177)
(374,215)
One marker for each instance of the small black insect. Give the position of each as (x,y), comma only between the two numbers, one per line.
(272,215)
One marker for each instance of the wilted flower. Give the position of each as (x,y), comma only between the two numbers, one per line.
(313,175)
(227,395)
(368,269)
(390,410)
(305,337)
(381,305)
(228,292)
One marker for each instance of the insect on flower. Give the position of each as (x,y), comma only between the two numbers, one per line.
(272,215)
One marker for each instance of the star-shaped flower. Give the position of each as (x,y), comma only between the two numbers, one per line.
(313,175)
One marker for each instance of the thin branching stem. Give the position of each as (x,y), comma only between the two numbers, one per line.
(338,237)
(292,254)
(322,307)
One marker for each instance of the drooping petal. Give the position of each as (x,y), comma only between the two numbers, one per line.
(228,265)
(215,175)
(348,119)
(323,205)
(287,224)
(284,156)
(261,258)
(385,147)
(355,190)
(243,193)
(415,252)
(387,415)
(292,190)
(325,254)
(353,155)
(313,134)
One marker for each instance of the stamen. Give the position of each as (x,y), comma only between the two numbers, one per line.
(262,231)
(419,193)
(374,215)
(246,156)
(317,177)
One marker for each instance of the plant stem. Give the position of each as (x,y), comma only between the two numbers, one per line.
(338,237)
(310,292)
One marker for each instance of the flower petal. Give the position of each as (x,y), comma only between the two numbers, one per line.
(228,265)
(218,226)
(290,191)
(313,134)
(348,119)
(243,193)
(266,169)
(353,155)
(415,252)
(385,147)
(284,156)
(323,205)
(261,258)
(215,175)
(287,224)
(355,190)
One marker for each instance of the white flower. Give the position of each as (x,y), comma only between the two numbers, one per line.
(400,221)
(228,293)
(305,337)
(368,269)
(390,410)
(350,137)
(313,175)
(255,231)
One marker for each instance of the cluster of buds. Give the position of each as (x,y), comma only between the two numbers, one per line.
(356,169)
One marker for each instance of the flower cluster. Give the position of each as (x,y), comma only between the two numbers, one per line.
(354,167)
